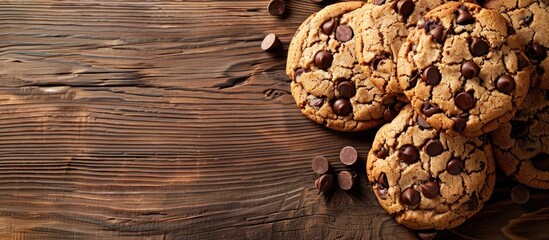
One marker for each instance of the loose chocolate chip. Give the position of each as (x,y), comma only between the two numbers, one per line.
(315,102)
(536,51)
(469,69)
(320,165)
(541,161)
(437,31)
(465,101)
(522,62)
(464,17)
(519,129)
(324,183)
(382,153)
(329,26)
(323,59)
(527,20)
(298,73)
(422,123)
(382,181)
(346,89)
(379,2)
(276,7)
(429,109)
(472,204)
(405,7)
(409,154)
(342,107)
(410,197)
(431,75)
(520,194)
(430,189)
(348,155)
(454,166)
(346,180)
(344,33)
(427,234)
(270,42)
(433,147)
(382,192)
(479,47)
(459,123)
(505,84)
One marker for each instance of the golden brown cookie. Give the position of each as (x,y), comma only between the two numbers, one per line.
(328,84)
(460,73)
(427,179)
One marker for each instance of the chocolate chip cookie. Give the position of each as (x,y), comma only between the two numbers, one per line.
(521,146)
(427,179)
(530,20)
(385,25)
(460,73)
(328,84)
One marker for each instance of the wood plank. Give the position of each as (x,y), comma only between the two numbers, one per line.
(164,120)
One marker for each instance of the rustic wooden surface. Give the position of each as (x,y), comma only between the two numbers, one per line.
(164,120)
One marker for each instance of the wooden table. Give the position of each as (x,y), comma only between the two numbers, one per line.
(164,120)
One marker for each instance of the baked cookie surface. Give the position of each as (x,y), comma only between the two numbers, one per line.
(530,19)
(459,72)
(328,84)
(427,179)
(521,146)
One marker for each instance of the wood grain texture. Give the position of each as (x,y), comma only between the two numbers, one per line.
(164,120)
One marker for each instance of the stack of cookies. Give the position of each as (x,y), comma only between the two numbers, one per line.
(458,86)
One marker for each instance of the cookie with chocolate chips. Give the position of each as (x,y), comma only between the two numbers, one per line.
(530,21)
(328,84)
(459,72)
(521,146)
(427,179)
(385,25)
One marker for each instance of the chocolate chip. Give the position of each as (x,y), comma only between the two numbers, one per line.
(323,59)
(324,183)
(276,7)
(459,123)
(472,204)
(320,165)
(469,69)
(382,181)
(464,17)
(298,73)
(270,42)
(315,102)
(429,109)
(527,20)
(342,107)
(392,111)
(422,123)
(409,154)
(346,180)
(519,129)
(348,155)
(430,189)
(346,89)
(465,101)
(410,197)
(520,194)
(522,62)
(412,81)
(536,51)
(437,32)
(379,2)
(382,153)
(431,75)
(427,234)
(382,192)
(329,26)
(344,33)
(479,47)
(377,60)
(405,7)
(454,166)
(505,84)
(433,147)
(541,161)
